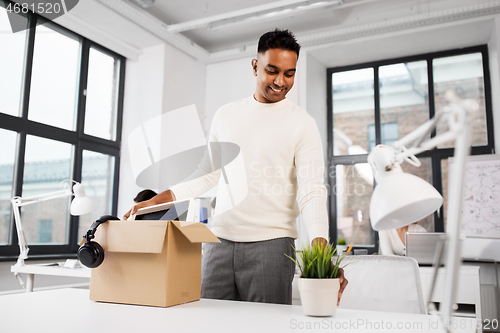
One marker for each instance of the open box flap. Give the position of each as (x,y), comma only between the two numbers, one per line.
(196,232)
(132,236)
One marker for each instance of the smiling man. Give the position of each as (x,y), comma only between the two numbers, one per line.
(284,169)
(275,72)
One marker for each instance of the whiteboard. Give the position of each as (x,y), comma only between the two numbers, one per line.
(481,208)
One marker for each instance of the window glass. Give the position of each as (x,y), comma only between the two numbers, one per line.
(45,231)
(47,164)
(7,156)
(11,66)
(100,110)
(389,134)
(353,110)
(404,98)
(354,186)
(97,179)
(463,75)
(54,82)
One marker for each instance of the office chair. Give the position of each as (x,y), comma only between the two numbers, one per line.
(383,283)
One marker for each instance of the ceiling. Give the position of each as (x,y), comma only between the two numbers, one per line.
(325,22)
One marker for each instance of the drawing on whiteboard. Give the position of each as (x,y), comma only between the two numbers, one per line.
(481,210)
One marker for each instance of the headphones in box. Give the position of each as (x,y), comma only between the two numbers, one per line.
(91,254)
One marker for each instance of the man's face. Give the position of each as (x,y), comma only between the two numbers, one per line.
(275,72)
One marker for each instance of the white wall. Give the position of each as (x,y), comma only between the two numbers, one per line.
(144,81)
(226,82)
(184,81)
(161,80)
(315,95)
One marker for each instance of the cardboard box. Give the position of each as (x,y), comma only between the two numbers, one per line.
(156,263)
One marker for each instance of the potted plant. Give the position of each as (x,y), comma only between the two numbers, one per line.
(341,245)
(318,283)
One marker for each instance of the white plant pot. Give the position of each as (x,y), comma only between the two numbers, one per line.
(341,248)
(319,296)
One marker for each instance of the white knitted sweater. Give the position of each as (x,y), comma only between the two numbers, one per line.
(279,173)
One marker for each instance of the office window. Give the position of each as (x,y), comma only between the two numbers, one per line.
(54,78)
(98,172)
(7,157)
(61,102)
(352,116)
(353,191)
(464,75)
(403,98)
(11,65)
(102,87)
(381,102)
(46,164)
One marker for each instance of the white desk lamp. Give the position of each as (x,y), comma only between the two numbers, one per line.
(79,206)
(400,199)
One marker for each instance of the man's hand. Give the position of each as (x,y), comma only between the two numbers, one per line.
(343,281)
(163,197)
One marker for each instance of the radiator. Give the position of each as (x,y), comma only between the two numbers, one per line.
(490,307)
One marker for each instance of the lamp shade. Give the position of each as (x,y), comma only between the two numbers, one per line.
(401,199)
(81,204)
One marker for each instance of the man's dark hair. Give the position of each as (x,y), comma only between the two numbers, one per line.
(278,39)
(144,195)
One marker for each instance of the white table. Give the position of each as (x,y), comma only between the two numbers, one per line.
(70,310)
(48,269)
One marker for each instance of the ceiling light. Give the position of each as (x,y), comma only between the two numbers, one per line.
(275,9)
(272,15)
(143,3)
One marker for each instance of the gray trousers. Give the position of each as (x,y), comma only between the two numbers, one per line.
(248,271)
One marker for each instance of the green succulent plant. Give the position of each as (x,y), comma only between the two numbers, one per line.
(319,261)
(341,241)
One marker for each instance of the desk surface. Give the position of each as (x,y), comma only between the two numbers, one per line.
(70,310)
(45,269)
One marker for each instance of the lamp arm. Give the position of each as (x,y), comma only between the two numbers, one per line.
(402,154)
(455,202)
(420,136)
(422,132)
(17,203)
(42,197)
(458,117)
(21,238)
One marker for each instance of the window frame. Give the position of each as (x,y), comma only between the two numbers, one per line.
(436,155)
(77,138)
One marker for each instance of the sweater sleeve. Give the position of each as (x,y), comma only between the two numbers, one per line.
(311,194)
(204,178)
